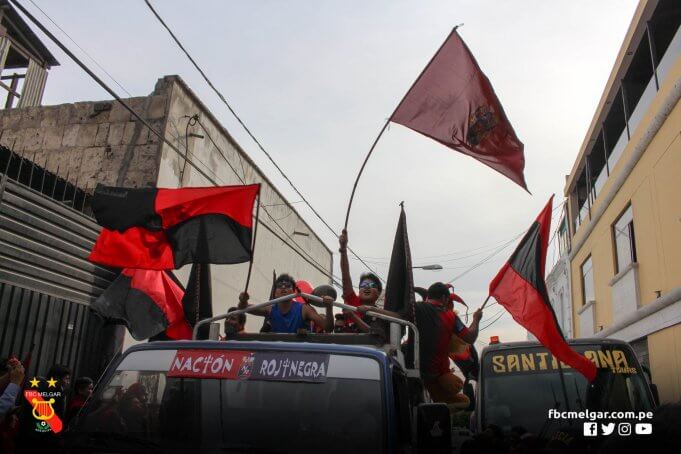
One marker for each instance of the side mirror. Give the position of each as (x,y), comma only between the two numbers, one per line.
(433,428)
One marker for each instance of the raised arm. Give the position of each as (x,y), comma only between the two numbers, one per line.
(345,264)
(324,321)
(243,304)
(471,334)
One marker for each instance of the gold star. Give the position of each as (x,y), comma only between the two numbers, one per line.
(51,383)
(34,383)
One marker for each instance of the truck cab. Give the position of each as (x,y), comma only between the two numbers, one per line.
(520,383)
(264,393)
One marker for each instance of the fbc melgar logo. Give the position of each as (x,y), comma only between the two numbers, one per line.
(42,398)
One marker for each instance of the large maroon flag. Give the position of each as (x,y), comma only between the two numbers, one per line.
(521,289)
(454,103)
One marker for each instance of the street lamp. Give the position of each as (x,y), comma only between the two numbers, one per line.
(428,267)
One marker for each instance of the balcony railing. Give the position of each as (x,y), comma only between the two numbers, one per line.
(619,147)
(670,57)
(643,104)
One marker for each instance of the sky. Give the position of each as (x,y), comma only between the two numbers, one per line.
(316,81)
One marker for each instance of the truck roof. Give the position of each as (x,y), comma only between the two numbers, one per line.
(355,349)
(527,344)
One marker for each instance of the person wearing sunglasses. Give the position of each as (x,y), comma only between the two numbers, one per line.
(291,316)
(370,289)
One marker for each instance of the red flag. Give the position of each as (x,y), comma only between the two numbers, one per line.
(148,302)
(454,103)
(163,229)
(521,289)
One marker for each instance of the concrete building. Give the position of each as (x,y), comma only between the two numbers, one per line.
(624,201)
(558,281)
(24,61)
(99,142)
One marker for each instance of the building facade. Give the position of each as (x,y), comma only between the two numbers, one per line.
(624,201)
(558,281)
(87,143)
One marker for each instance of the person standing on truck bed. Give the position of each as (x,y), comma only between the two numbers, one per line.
(290,316)
(437,322)
(370,289)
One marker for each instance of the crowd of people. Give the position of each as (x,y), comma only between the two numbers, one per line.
(435,317)
(17,423)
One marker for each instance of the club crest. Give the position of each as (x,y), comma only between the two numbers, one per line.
(480,124)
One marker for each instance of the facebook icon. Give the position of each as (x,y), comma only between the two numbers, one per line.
(590,429)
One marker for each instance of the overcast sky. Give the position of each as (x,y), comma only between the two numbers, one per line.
(315,81)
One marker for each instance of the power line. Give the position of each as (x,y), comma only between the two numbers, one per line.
(501,314)
(81,49)
(248,131)
(158,134)
(242,180)
(486,259)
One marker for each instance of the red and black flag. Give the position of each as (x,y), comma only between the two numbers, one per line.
(148,302)
(399,290)
(468,362)
(198,298)
(163,229)
(520,288)
(454,103)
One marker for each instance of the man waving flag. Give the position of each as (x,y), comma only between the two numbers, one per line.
(520,288)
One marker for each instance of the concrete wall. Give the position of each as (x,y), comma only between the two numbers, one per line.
(92,142)
(558,288)
(98,142)
(271,253)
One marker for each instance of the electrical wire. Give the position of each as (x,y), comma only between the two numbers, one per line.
(486,259)
(334,278)
(501,314)
(248,131)
(143,121)
(81,49)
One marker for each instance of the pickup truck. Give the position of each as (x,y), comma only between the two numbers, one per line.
(263,393)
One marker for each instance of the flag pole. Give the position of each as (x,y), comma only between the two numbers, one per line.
(483,304)
(385,126)
(255,236)
(361,170)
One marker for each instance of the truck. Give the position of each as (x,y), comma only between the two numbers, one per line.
(523,389)
(264,393)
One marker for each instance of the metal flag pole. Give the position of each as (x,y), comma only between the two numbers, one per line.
(255,236)
(385,126)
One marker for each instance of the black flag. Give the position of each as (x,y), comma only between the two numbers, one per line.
(399,291)
(198,300)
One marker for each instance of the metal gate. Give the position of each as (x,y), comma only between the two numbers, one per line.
(46,281)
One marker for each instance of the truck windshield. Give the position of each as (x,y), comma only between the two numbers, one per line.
(521,385)
(342,412)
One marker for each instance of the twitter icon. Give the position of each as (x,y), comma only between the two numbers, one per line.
(607,429)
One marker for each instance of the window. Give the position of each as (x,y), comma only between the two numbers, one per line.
(625,245)
(587,281)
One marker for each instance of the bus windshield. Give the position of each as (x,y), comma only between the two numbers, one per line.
(521,385)
(160,411)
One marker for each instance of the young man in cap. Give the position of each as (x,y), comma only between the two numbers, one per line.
(437,322)
(290,316)
(370,288)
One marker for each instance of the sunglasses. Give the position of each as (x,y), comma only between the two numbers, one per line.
(283,285)
(368,284)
